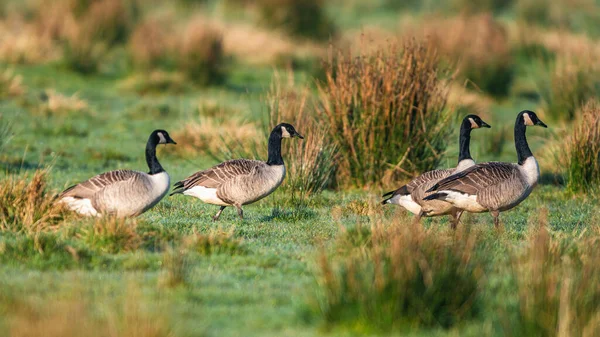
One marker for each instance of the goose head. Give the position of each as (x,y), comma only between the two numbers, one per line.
(161,137)
(287,131)
(529,118)
(475,122)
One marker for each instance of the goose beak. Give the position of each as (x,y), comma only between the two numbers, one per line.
(485,125)
(540,123)
(171,141)
(299,135)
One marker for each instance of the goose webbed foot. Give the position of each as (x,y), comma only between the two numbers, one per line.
(216,217)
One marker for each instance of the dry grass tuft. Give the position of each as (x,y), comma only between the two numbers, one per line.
(21,42)
(558,284)
(151,44)
(398,278)
(311,162)
(567,83)
(175,271)
(27,206)
(582,158)
(79,314)
(11,85)
(386,112)
(216,136)
(200,52)
(256,45)
(303,18)
(155,82)
(215,242)
(574,15)
(478,45)
(57,104)
(111,235)
(86,29)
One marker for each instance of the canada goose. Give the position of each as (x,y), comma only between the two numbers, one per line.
(494,187)
(240,182)
(410,196)
(123,193)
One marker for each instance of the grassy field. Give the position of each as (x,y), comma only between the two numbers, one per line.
(296,267)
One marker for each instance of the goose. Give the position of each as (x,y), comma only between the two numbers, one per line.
(410,196)
(495,186)
(124,193)
(240,182)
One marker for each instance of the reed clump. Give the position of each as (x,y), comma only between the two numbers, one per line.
(582,158)
(27,206)
(311,162)
(386,113)
(557,279)
(398,278)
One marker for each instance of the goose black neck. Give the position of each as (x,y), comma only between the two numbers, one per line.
(465,141)
(275,149)
(151,159)
(523,150)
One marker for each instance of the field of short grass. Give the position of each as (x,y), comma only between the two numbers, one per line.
(333,263)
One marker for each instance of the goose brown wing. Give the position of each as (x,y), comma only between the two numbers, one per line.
(217,175)
(423,181)
(427,178)
(91,186)
(475,178)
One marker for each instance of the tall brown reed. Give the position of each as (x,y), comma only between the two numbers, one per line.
(11,84)
(582,158)
(478,45)
(77,313)
(305,18)
(558,281)
(568,82)
(386,112)
(404,277)
(200,54)
(27,206)
(311,161)
(150,44)
(87,29)
(110,234)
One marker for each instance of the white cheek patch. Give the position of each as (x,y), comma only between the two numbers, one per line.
(473,124)
(162,138)
(285,133)
(527,119)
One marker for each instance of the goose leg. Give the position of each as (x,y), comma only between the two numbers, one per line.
(455,218)
(240,211)
(216,217)
(496,216)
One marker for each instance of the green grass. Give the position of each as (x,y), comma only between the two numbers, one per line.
(264,290)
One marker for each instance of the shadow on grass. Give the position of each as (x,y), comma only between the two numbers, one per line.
(290,214)
(552,178)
